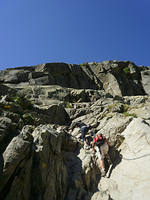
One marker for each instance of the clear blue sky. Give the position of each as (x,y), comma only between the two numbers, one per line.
(73,31)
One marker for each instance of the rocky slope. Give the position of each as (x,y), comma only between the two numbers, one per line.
(40,160)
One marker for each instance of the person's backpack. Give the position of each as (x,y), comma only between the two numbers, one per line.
(99,140)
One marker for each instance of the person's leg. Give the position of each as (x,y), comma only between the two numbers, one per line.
(83,132)
(85,143)
(102,164)
(100,160)
(104,152)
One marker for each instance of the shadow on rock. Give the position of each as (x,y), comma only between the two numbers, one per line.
(83,174)
(1,164)
(116,158)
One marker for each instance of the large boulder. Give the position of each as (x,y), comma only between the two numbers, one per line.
(33,166)
(83,174)
(112,126)
(119,78)
(141,110)
(4,90)
(130,178)
(49,173)
(54,113)
(17,167)
(7,132)
(14,75)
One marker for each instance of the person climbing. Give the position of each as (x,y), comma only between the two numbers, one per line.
(84,129)
(100,145)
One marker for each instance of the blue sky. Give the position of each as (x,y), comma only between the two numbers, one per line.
(73,31)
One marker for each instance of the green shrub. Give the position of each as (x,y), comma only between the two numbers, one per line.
(110,107)
(126,114)
(84,64)
(126,70)
(28,119)
(23,102)
(125,107)
(104,115)
(67,104)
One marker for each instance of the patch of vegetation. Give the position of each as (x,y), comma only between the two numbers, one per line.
(29,119)
(95,63)
(110,107)
(126,70)
(67,104)
(117,107)
(104,115)
(23,102)
(84,64)
(125,107)
(126,114)
(99,87)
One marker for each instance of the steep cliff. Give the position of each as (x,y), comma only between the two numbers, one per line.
(40,159)
(116,78)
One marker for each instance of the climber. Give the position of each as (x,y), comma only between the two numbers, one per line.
(84,129)
(100,145)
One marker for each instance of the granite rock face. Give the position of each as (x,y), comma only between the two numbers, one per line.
(41,160)
(115,78)
(130,178)
(49,74)
(146,81)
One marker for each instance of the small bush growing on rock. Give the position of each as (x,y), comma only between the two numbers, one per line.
(84,64)
(116,107)
(104,115)
(125,107)
(67,104)
(28,119)
(23,102)
(110,107)
(126,70)
(126,114)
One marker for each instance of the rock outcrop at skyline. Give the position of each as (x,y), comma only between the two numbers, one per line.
(41,160)
(116,78)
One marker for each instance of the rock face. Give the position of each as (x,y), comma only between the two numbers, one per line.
(115,78)
(120,78)
(49,74)
(41,160)
(17,166)
(146,81)
(130,178)
(43,172)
